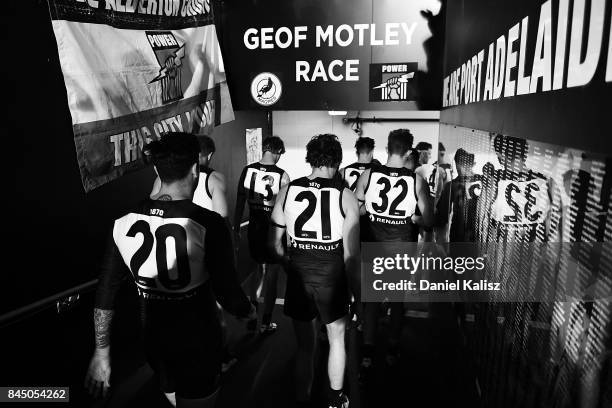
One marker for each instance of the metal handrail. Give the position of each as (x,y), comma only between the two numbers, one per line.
(40,305)
(21,313)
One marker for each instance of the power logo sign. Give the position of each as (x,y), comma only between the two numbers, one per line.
(169,54)
(392,82)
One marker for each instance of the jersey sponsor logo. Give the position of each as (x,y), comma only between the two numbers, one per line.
(313,246)
(263,186)
(169,54)
(390,197)
(266,89)
(521,202)
(390,221)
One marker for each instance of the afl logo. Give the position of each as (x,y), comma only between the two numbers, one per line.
(266,89)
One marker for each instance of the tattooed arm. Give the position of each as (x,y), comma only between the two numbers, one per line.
(102,323)
(111,277)
(97,380)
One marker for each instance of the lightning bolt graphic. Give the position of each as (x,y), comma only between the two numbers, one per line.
(178,56)
(404,78)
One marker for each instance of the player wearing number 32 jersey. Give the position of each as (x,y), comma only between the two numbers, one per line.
(518,202)
(321,219)
(389,194)
(180,257)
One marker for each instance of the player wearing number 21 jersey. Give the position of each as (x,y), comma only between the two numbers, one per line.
(180,257)
(321,219)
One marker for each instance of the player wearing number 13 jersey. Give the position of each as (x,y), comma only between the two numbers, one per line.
(259,185)
(321,218)
(180,257)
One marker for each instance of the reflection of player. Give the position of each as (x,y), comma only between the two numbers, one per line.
(259,185)
(442,173)
(459,198)
(516,202)
(176,280)
(389,195)
(321,217)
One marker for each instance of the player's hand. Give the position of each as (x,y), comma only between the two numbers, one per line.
(356,310)
(393,82)
(97,380)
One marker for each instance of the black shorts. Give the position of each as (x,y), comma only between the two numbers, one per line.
(186,361)
(305,301)
(258,242)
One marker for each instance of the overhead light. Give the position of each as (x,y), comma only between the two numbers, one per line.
(337,113)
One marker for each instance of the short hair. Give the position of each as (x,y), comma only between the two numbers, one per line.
(441,147)
(510,147)
(207,145)
(273,144)
(364,144)
(399,141)
(423,146)
(173,155)
(324,151)
(464,158)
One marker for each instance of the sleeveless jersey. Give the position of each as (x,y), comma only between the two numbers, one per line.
(390,201)
(260,183)
(352,173)
(202,195)
(315,219)
(520,207)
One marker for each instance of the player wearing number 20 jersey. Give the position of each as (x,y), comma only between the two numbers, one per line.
(180,257)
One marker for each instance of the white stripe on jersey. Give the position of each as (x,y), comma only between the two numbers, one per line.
(201,196)
(137,237)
